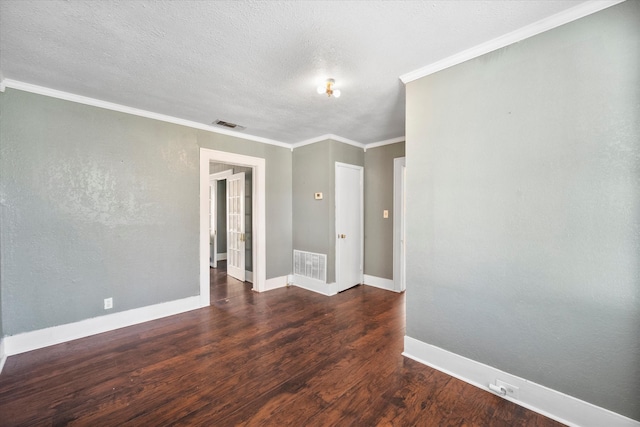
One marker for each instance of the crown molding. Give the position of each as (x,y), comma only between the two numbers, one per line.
(67,96)
(41,90)
(546,24)
(344,140)
(324,138)
(347,141)
(310,141)
(385,142)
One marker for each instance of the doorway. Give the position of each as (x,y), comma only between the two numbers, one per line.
(231,219)
(258,222)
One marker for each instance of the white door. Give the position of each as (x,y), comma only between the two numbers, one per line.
(349,225)
(213,232)
(235,226)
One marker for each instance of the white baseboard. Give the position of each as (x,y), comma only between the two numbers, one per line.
(21,343)
(319,286)
(276,282)
(221,256)
(314,285)
(3,356)
(248,276)
(379,282)
(550,403)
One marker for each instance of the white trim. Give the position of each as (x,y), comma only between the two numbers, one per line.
(16,344)
(550,403)
(276,283)
(324,138)
(2,88)
(546,24)
(3,356)
(248,276)
(314,285)
(221,256)
(379,282)
(385,142)
(318,286)
(399,216)
(258,223)
(28,87)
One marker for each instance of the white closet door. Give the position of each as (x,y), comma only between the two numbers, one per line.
(349,225)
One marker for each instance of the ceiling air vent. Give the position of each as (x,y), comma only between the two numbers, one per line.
(228,125)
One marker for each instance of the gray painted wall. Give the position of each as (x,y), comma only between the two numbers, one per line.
(523,209)
(99,204)
(314,220)
(95,205)
(1,323)
(378,196)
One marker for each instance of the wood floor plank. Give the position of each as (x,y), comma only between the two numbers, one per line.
(283,357)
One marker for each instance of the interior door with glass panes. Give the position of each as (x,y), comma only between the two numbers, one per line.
(235,226)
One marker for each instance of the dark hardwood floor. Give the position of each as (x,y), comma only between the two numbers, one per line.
(284,357)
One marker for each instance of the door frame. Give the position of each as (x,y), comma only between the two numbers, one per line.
(258,223)
(339,286)
(399,221)
(213,183)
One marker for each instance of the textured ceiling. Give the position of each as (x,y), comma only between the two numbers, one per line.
(255,63)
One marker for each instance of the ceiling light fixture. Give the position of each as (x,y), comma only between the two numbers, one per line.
(328,89)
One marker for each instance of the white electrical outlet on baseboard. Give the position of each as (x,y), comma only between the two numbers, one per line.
(512,391)
(108,303)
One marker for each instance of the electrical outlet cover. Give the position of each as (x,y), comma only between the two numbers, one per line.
(512,391)
(108,303)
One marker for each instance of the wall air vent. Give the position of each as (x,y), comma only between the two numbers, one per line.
(228,125)
(311,265)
